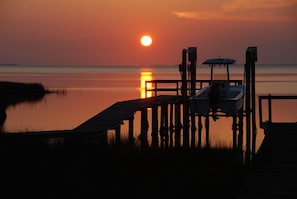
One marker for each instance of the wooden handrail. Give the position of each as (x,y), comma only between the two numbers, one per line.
(270,98)
(177,85)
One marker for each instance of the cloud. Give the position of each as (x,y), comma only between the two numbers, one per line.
(245,10)
(256,4)
(199,15)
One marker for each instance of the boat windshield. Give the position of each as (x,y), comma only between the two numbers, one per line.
(219,73)
(219,68)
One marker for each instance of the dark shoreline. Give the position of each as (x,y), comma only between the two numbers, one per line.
(12,93)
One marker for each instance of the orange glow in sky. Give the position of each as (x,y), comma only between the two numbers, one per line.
(106,32)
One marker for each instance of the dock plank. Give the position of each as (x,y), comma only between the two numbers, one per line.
(273,173)
(114,115)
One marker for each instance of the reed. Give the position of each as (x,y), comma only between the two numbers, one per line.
(123,168)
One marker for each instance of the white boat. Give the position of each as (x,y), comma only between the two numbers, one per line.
(219,95)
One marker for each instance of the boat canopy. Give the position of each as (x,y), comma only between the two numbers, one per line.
(219,61)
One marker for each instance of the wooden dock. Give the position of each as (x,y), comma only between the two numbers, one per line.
(113,116)
(274,170)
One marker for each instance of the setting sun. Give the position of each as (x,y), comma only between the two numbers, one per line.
(146,40)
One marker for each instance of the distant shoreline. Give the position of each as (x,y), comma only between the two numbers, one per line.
(157,65)
(8,64)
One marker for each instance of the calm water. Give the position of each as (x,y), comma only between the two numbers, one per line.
(91,89)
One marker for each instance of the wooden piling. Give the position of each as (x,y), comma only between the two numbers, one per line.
(234,130)
(193,130)
(251,58)
(131,130)
(118,134)
(166,124)
(186,123)
(144,128)
(171,126)
(178,125)
(207,130)
(155,135)
(240,132)
(200,131)
(248,107)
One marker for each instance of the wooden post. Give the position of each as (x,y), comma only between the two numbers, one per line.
(193,130)
(199,131)
(183,71)
(177,125)
(211,72)
(193,59)
(186,123)
(248,107)
(207,131)
(260,110)
(144,128)
(253,88)
(240,134)
(131,130)
(118,134)
(103,139)
(269,109)
(171,125)
(166,124)
(184,90)
(234,129)
(155,136)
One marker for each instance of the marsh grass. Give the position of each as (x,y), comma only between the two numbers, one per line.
(79,170)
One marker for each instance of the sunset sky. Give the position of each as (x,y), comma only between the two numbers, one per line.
(107,32)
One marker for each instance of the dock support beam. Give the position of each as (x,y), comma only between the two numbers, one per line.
(171,126)
(234,129)
(164,125)
(178,125)
(207,131)
(155,135)
(186,123)
(199,131)
(131,130)
(185,72)
(144,128)
(251,58)
(253,87)
(240,132)
(118,134)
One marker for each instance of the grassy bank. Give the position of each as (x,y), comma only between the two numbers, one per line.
(83,170)
(14,92)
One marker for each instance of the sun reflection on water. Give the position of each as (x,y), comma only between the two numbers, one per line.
(145,76)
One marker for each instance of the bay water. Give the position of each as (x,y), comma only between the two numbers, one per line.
(91,89)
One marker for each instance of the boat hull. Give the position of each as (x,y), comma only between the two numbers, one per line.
(230,103)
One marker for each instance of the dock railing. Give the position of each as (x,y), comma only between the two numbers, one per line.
(175,86)
(269,98)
